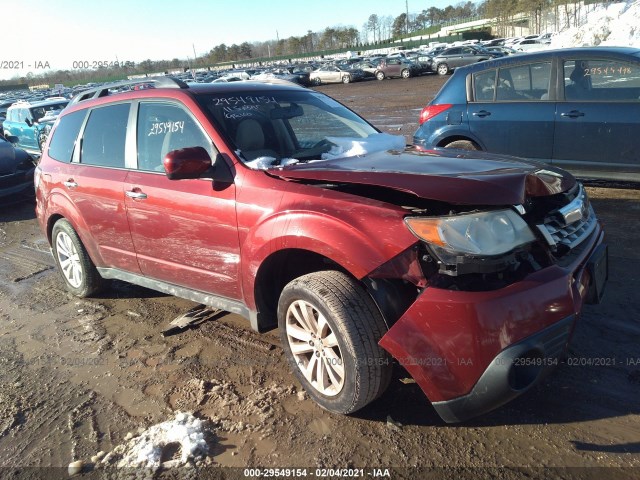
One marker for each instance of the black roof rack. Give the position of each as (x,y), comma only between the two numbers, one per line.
(103,90)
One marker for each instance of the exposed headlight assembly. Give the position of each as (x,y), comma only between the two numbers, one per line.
(473,243)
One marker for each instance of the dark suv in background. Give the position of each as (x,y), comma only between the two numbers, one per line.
(574,108)
(278,203)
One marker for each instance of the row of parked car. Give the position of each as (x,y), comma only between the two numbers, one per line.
(577,108)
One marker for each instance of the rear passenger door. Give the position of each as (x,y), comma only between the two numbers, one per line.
(598,121)
(512,110)
(184,231)
(94,182)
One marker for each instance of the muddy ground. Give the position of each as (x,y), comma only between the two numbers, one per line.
(77,375)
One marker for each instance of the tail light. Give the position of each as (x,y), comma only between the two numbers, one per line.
(431,111)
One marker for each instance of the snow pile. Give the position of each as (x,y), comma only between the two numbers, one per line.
(342,147)
(617,24)
(146,449)
(352,146)
(261,163)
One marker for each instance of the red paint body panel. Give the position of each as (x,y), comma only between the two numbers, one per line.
(185,233)
(436,174)
(447,339)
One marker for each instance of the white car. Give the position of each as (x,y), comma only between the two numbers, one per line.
(528,45)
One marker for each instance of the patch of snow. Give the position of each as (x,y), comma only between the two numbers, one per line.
(261,163)
(288,161)
(145,450)
(352,146)
(616,24)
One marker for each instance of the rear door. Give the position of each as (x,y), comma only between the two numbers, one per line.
(184,231)
(94,181)
(598,120)
(512,112)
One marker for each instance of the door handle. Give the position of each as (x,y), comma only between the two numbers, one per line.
(136,195)
(572,114)
(481,114)
(70,183)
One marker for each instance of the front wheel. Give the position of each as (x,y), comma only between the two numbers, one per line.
(346,79)
(443,69)
(316,81)
(74,264)
(406,73)
(380,75)
(330,328)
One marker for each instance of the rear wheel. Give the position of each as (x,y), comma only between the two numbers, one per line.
(330,328)
(462,145)
(380,75)
(443,69)
(74,264)
(406,73)
(346,79)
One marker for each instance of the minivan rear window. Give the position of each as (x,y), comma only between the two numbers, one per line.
(65,135)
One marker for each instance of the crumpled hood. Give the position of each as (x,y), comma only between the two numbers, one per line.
(451,176)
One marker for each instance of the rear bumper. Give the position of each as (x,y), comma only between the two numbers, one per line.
(471,352)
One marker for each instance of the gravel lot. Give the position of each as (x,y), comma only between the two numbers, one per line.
(78,375)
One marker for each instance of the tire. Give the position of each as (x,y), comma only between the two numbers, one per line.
(462,145)
(74,264)
(316,81)
(442,69)
(341,327)
(405,73)
(346,79)
(380,75)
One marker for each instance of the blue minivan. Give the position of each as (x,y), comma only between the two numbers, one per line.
(576,108)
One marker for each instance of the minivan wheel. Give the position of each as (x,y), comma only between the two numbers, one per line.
(462,145)
(330,328)
(346,79)
(406,73)
(443,69)
(380,75)
(74,264)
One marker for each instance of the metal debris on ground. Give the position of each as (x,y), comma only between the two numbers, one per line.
(194,317)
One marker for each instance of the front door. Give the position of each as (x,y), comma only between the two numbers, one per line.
(184,231)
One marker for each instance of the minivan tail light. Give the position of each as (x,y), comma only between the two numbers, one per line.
(431,111)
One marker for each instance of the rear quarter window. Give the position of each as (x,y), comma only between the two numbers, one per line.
(65,135)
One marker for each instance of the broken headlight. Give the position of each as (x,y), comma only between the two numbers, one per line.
(481,242)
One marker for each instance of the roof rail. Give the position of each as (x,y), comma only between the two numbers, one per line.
(103,90)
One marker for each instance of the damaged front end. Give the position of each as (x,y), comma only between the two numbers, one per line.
(485,302)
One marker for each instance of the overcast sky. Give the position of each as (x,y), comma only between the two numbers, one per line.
(63,31)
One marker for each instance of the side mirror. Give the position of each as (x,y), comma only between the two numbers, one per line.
(195,162)
(28,122)
(186,163)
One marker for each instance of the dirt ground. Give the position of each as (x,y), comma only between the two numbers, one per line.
(78,375)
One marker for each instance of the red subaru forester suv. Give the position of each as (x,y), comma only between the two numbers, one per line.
(278,203)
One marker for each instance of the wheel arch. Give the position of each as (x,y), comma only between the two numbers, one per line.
(60,207)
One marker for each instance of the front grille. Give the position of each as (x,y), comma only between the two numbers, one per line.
(569,226)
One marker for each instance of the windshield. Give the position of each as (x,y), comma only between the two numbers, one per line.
(283,127)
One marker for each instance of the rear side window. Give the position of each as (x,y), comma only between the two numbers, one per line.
(524,82)
(601,80)
(484,85)
(104,136)
(65,135)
